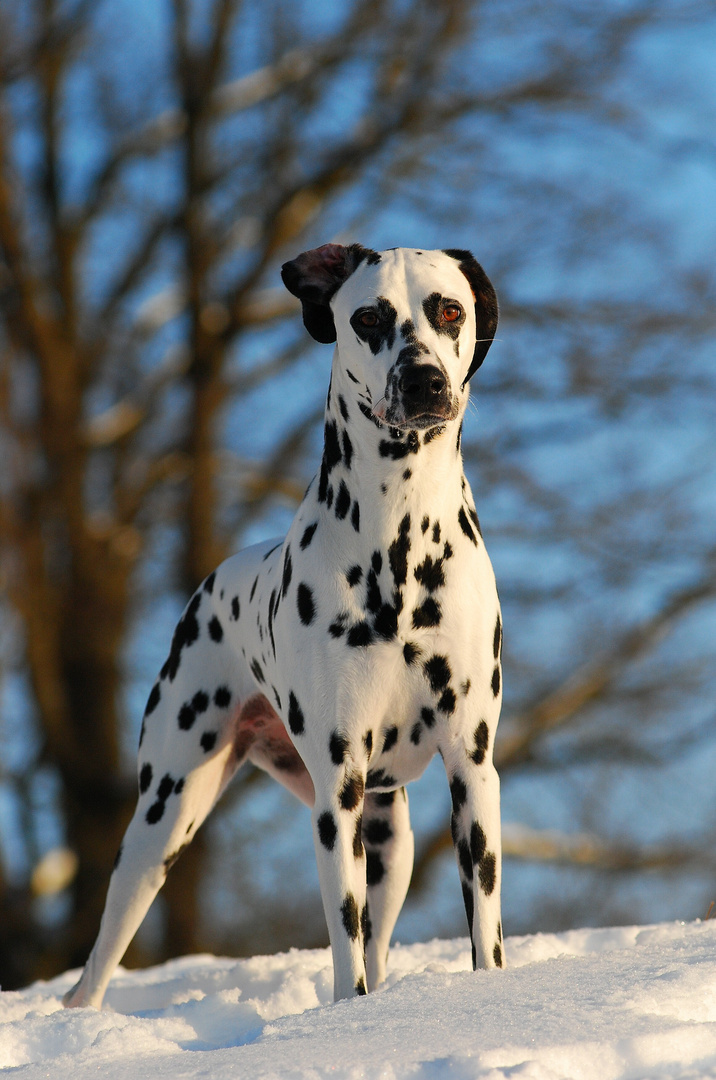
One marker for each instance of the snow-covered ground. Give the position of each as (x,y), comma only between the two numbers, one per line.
(627,1002)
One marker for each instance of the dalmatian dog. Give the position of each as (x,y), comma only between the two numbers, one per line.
(342,658)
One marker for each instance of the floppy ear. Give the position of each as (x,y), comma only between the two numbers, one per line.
(315,276)
(485,305)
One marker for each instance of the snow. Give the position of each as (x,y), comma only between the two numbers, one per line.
(632,1002)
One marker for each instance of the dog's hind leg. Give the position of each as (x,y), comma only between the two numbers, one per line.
(168,814)
(389,847)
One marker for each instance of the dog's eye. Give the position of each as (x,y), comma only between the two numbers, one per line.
(452,312)
(368,318)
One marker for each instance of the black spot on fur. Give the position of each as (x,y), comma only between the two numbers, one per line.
(366,926)
(458,793)
(428,614)
(355,516)
(145,778)
(447,701)
(338,747)
(186,633)
(463,854)
(331,447)
(473,514)
(357,839)
(407,474)
(487,873)
(343,501)
(360,987)
(208,741)
(323,482)
(360,634)
(469,902)
(351,376)
(276,698)
(327,830)
(208,585)
(385,622)
(428,717)
(235,608)
(436,532)
(384,798)
(166,786)
(349,912)
(383,333)
(377,831)
(187,716)
(430,573)
(374,869)
(425,524)
(410,652)
(379,778)
(390,739)
(295,715)
(497,954)
(478,842)
(433,306)
(306,606)
(257,671)
(465,525)
(368,742)
(308,533)
(216,630)
(222,697)
(497,638)
(438,672)
(398,552)
(154,699)
(415,733)
(352,791)
(154,813)
(482,739)
(347,449)
(338,628)
(342,406)
(287,572)
(253,588)
(354,575)
(495,682)
(268,555)
(200,701)
(376,561)
(447,551)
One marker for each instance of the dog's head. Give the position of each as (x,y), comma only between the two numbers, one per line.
(412,326)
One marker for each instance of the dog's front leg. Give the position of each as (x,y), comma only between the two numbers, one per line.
(337,818)
(475,824)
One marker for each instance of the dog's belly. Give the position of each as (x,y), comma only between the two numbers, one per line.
(260,737)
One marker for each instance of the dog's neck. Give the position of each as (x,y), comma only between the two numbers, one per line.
(372,475)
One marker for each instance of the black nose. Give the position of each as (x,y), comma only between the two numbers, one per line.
(422,385)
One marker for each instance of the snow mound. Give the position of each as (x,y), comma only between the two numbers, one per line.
(628,1002)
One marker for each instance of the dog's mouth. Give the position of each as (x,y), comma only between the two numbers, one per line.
(396,416)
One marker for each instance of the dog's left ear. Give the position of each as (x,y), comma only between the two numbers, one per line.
(315,276)
(485,305)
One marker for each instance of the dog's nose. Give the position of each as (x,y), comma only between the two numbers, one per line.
(422,384)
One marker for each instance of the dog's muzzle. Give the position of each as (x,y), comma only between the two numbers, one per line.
(424,395)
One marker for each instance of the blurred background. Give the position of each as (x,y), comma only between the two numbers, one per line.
(161,405)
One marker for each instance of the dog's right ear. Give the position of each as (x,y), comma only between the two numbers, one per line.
(314,276)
